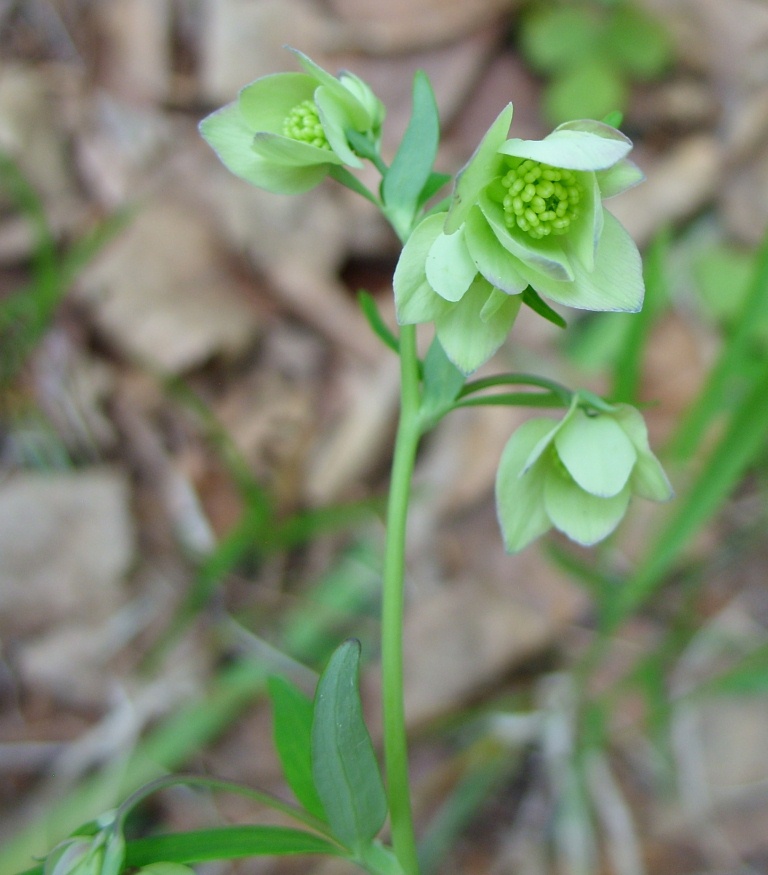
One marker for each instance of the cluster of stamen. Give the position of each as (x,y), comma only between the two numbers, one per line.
(539,199)
(303,123)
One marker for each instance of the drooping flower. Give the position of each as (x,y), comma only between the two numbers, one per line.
(286,131)
(526,213)
(577,475)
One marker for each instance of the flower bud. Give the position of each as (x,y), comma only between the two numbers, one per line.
(577,474)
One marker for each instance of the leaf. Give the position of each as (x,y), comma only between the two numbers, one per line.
(749,676)
(411,168)
(343,762)
(432,186)
(590,89)
(224,843)
(293,713)
(532,300)
(378,325)
(555,39)
(442,382)
(637,43)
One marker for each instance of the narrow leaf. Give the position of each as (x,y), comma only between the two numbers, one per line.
(293,712)
(224,843)
(343,762)
(378,325)
(411,167)
(532,300)
(442,381)
(741,443)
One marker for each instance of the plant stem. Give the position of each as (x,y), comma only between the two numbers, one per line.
(395,741)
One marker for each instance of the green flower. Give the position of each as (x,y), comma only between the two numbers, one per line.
(577,475)
(524,213)
(285,132)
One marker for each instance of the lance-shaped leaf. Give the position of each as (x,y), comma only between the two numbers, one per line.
(292,715)
(344,765)
(411,168)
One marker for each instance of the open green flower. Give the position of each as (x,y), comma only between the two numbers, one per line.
(525,213)
(285,132)
(577,475)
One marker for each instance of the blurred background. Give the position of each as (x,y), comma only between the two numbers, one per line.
(196,424)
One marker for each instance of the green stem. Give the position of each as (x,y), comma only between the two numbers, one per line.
(395,741)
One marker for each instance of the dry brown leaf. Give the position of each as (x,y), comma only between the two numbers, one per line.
(245,39)
(135,42)
(66,540)
(405,25)
(162,295)
(678,184)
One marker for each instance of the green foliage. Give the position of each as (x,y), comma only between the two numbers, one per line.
(410,173)
(27,313)
(344,765)
(293,714)
(591,52)
(225,843)
(442,383)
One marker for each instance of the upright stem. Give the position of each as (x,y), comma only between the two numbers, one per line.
(395,742)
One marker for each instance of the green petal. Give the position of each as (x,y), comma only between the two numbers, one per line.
(520,492)
(648,478)
(357,114)
(494,262)
(623,175)
(266,102)
(468,341)
(585,518)
(335,120)
(597,453)
(478,171)
(546,255)
(583,236)
(582,145)
(292,153)
(496,300)
(449,266)
(546,439)
(415,300)
(362,91)
(615,284)
(232,140)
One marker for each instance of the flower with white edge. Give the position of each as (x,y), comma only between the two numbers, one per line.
(524,213)
(577,474)
(285,132)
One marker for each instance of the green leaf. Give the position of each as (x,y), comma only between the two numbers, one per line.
(378,325)
(749,676)
(411,168)
(742,441)
(343,762)
(554,39)
(589,90)
(442,383)
(432,186)
(225,843)
(293,712)
(637,43)
(532,300)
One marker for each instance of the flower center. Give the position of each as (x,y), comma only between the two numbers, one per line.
(303,123)
(539,199)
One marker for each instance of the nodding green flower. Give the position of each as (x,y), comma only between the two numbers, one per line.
(577,475)
(285,132)
(524,213)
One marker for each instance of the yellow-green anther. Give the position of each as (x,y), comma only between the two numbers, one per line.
(303,123)
(540,199)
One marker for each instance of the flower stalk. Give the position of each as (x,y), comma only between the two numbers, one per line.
(393,598)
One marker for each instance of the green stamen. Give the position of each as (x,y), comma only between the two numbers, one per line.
(303,123)
(539,199)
